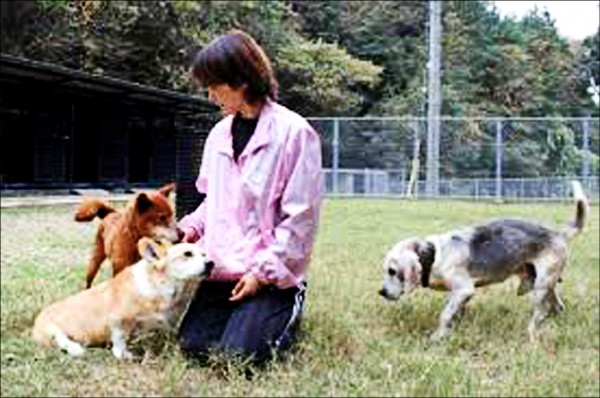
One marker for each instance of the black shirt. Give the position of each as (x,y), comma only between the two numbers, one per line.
(241,131)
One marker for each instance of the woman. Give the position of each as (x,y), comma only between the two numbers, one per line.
(261,173)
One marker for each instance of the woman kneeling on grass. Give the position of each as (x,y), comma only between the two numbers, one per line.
(261,174)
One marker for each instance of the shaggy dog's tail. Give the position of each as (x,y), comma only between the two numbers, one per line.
(575,226)
(91,208)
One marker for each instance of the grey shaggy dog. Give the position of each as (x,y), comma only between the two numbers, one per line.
(461,260)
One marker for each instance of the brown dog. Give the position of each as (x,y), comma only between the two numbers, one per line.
(147,214)
(139,299)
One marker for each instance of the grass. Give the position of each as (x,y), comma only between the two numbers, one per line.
(354,343)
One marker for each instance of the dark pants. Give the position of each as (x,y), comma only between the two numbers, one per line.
(253,327)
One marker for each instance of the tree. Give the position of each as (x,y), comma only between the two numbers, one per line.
(371,53)
(315,77)
(588,68)
(389,34)
(323,79)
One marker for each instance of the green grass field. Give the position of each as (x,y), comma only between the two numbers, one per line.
(354,342)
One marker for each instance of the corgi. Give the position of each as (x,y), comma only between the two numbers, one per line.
(147,214)
(138,298)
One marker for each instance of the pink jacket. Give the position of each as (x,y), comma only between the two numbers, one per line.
(260,214)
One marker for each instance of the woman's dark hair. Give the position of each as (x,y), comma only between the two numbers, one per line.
(236,58)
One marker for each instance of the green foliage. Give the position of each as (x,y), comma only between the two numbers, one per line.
(588,69)
(592,55)
(390,34)
(52,4)
(505,66)
(321,77)
(562,153)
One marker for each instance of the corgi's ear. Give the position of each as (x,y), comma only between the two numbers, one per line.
(149,250)
(143,202)
(166,189)
(142,243)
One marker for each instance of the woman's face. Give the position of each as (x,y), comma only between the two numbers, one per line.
(228,98)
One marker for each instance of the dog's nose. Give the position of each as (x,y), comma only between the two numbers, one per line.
(382,292)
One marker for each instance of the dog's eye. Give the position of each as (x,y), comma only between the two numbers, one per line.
(163,218)
(391,272)
(188,253)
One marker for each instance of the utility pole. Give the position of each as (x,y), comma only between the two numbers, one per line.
(434,96)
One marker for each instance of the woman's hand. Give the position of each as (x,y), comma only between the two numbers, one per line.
(246,287)
(187,235)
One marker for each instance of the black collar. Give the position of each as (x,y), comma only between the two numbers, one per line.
(426,253)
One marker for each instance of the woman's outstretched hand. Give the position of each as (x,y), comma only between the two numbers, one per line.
(187,235)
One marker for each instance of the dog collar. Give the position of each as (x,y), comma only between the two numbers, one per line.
(426,253)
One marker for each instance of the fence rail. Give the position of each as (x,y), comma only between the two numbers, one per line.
(392,183)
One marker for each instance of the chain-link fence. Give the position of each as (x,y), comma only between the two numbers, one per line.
(501,158)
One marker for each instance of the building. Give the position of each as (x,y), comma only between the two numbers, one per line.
(66,129)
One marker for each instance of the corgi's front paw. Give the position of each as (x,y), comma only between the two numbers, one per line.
(76,350)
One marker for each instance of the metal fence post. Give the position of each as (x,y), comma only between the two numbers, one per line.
(498,160)
(335,154)
(387,183)
(72,147)
(585,170)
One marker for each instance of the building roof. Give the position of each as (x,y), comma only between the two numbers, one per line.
(18,70)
